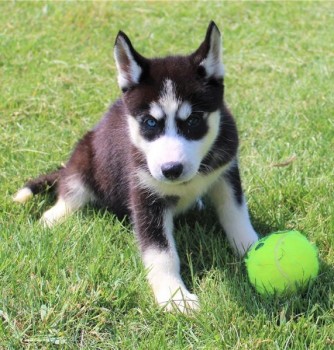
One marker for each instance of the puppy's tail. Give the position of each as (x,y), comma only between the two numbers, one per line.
(43,183)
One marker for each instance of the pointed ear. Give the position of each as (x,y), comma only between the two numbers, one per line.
(130,64)
(208,56)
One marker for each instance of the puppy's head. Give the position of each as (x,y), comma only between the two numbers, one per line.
(173,105)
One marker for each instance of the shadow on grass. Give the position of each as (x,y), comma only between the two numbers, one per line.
(314,304)
(201,244)
(204,241)
(39,204)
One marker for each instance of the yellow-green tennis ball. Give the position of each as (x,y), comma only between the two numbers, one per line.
(282,263)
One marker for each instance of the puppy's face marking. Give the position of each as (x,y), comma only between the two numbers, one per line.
(173,135)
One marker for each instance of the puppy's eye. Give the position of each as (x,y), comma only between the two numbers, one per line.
(193,121)
(150,122)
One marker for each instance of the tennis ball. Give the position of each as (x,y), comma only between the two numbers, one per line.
(282,263)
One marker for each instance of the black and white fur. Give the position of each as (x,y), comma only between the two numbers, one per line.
(166,143)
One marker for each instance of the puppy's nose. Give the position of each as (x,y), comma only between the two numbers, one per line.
(172,170)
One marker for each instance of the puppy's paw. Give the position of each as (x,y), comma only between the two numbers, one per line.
(55,215)
(47,221)
(181,300)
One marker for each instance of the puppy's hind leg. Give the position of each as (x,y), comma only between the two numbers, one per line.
(73,194)
(73,190)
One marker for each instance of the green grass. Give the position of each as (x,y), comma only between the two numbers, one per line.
(82,284)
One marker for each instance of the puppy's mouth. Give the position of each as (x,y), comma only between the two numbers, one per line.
(175,182)
(180,180)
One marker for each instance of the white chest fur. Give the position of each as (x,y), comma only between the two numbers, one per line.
(187,192)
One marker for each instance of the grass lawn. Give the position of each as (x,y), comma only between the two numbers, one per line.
(82,284)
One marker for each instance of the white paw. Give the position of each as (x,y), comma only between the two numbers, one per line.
(181,300)
(246,242)
(55,215)
(47,221)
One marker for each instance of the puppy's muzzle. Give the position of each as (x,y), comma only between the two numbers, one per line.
(172,170)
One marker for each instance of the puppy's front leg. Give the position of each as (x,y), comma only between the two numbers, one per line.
(227,196)
(153,220)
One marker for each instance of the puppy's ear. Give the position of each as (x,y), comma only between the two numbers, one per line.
(130,64)
(208,57)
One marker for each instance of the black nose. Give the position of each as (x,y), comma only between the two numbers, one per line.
(172,170)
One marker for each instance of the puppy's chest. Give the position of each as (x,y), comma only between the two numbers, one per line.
(187,193)
(190,192)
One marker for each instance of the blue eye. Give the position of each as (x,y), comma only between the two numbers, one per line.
(193,121)
(150,122)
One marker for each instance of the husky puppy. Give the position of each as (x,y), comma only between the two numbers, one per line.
(168,141)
